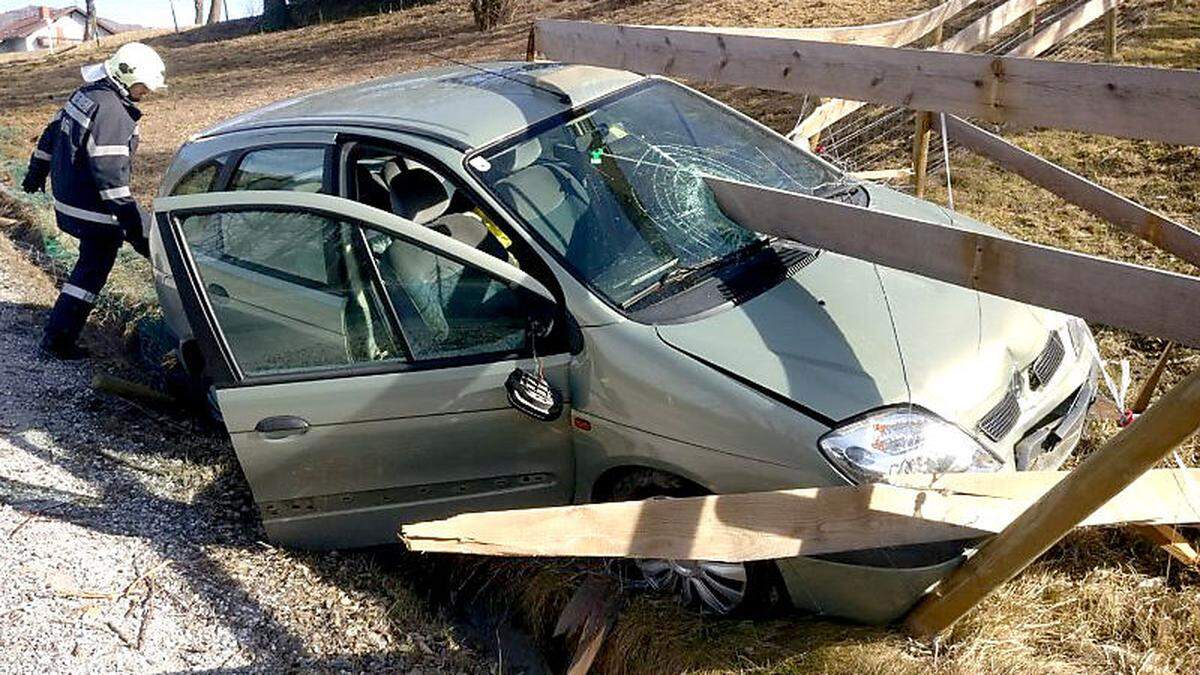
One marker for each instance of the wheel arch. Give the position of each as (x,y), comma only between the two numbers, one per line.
(610,478)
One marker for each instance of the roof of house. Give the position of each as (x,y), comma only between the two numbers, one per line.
(21,23)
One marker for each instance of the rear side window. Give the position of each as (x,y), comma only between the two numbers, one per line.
(292,169)
(200,179)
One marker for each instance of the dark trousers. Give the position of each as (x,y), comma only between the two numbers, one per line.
(97,254)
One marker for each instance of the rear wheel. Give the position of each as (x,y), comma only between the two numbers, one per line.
(716,588)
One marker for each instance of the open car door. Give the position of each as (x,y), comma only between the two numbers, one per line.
(360,363)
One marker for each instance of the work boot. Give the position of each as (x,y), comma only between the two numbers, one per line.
(62,351)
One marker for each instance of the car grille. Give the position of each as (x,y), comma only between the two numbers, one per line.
(1046,363)
(1000,420)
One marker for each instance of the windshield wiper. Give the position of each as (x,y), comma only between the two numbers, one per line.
(681,273)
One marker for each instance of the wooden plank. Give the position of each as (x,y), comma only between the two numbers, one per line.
(989,25)
(785,523)
(1104,474)
(1056,31)
(883,174)
(888,33)
(1096,199)
(1141,299)
(1142,401)
(1136,102)
(823,116)
(1170,541)
(979,31)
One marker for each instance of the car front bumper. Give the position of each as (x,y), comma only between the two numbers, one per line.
(878,586)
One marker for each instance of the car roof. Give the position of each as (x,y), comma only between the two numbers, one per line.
(464,105)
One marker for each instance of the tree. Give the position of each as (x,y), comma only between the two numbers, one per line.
(214,11)
(199,12)
(89,30)
(492,13)
(276,15)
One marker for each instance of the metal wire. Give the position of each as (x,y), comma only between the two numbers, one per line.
(880,137)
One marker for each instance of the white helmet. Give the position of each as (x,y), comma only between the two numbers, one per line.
(135,63)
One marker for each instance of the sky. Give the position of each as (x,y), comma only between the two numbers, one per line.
(144,12)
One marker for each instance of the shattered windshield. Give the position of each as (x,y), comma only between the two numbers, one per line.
(618,193)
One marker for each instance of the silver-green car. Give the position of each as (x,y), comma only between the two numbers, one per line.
(357,273)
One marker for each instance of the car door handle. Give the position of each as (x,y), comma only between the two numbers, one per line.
(282,426)
(218,290)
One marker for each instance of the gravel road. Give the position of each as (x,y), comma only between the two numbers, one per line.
(129,542)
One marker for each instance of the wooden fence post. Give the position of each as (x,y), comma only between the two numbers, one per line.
(1098,479)
(924,124)
(1110,34)
(920,158)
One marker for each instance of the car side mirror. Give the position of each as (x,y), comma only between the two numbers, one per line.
(541,318)
(528,391)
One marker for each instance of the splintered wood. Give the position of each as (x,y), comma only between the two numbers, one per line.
(786,523)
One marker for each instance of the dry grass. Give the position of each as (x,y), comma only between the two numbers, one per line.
(1101,601)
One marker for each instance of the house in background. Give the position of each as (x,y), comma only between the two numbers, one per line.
(40,27)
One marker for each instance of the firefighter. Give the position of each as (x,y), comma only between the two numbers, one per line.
(86,150)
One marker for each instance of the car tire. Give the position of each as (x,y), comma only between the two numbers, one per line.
(762,591)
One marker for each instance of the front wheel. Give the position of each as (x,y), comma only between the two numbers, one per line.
(714,588)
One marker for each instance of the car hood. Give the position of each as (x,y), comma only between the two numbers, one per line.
(844,336)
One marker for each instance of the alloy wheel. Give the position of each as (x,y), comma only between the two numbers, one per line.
(717,587)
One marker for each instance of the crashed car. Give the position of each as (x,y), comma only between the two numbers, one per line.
(506,285)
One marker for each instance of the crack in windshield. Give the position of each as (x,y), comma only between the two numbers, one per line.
(619,191)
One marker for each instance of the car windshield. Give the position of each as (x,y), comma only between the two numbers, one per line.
(618,193)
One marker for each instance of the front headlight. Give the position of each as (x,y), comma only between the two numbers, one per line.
(903,440)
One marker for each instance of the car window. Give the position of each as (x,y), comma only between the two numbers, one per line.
(289,289)
(199,179)
(447,309)
(618,194)
(294,169)
(418,191)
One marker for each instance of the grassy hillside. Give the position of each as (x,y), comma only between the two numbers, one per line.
(1101,602)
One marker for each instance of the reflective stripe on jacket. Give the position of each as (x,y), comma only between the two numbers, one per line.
(87,149)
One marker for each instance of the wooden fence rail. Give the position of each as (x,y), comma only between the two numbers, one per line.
(1141,299)
(893,33)
(1096,199)
(1150,103)
(767,525)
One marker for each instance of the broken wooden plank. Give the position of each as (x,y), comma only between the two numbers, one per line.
(1152,302)
(1091,197)
(1102,476)
(786,523)
(1136,102)
(1170,541)
(888,33)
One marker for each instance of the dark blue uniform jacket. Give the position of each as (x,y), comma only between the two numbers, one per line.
(86,150)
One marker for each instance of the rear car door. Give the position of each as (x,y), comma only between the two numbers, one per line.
(359,361)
